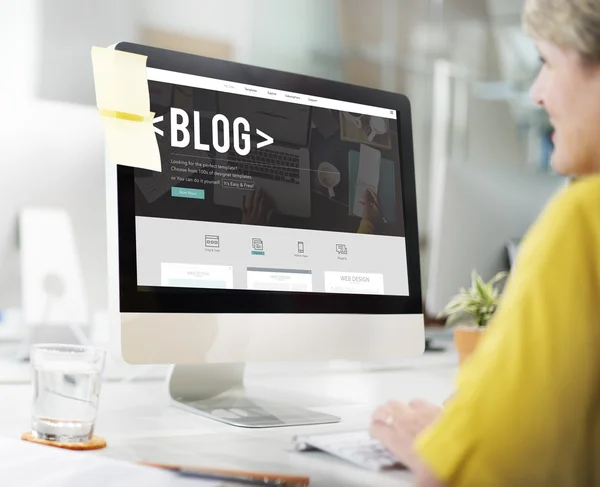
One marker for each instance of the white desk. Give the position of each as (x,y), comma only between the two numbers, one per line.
(140,424)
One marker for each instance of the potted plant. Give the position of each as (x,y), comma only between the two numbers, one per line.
(475,306)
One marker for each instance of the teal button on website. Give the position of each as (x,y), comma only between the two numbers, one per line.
(197,194)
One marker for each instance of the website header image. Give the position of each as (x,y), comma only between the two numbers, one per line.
(240,159)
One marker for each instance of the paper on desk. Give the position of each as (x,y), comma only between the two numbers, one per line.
(25,464)
(368,176)
(123,99)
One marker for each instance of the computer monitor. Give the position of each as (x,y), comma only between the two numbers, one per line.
(52,156)
(199,283)
(479,213)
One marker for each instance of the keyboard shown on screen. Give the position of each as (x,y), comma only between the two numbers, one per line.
(356,447)
(278,163)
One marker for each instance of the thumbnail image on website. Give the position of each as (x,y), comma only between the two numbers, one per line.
(269,190)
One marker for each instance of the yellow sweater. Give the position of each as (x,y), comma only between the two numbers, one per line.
(527,407)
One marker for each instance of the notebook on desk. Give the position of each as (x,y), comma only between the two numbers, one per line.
(387,185)
(30,465)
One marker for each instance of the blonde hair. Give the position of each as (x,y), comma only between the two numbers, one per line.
(572,24)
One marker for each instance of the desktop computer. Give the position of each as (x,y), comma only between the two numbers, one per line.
(479,215)
(52,223)
(246,246)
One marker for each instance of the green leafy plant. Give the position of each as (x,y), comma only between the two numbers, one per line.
(479,302)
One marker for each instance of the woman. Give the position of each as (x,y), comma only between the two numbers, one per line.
(526,411)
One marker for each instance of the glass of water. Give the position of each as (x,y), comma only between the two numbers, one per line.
(66,391)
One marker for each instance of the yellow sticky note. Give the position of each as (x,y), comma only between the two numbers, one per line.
(121,81)
(132,143)
(123,100)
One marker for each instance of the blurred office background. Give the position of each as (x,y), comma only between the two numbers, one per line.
(464,64)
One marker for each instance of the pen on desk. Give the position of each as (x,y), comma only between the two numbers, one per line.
(236,476)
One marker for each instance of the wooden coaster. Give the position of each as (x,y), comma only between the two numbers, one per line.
(96,443)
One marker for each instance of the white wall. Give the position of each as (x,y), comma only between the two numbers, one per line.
(68,30)
(18,37)
(46,44)
(223,20)
(493,136)
(492,128)
(285,35)
(270,33)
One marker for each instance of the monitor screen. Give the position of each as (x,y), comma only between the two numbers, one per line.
(269,190)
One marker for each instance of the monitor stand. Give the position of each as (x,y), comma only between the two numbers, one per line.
(217,391)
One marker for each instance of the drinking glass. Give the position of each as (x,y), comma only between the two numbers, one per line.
(66,391)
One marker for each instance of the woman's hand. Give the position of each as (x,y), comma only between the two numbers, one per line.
(396,425)
(257,209)
(371,208)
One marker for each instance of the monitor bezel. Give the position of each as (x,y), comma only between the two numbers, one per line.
(136,299)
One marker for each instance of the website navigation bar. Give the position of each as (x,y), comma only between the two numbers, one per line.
(266,93)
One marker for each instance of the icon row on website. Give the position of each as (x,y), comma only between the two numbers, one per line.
(214,242)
